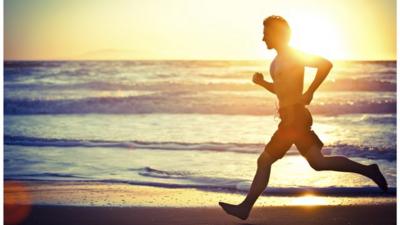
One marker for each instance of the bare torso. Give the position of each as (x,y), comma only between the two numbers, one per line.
(288,76)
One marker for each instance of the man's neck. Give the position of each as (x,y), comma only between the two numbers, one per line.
(282,50)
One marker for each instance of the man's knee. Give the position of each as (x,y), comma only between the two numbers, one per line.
(266,159)
(318,166)
(317,163)
(315,158)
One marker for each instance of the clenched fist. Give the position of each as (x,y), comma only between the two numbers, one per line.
(258,78)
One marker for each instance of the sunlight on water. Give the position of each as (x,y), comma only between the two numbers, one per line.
(186,86)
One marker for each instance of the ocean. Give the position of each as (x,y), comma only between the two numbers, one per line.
(189,124)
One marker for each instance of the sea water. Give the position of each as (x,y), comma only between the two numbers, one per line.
(189,124)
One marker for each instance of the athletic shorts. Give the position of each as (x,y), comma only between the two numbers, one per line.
(294,128)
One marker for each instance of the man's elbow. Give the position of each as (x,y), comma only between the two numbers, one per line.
(328,65)
(325,65)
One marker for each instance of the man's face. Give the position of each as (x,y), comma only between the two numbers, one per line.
(268,37)
(271,37)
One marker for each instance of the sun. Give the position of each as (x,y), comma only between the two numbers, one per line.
(317,35)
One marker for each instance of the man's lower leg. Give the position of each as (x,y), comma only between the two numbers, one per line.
(343,164)
(340,163)
(258,185)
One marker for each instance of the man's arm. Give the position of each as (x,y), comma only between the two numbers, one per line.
(323,67)
(258,78)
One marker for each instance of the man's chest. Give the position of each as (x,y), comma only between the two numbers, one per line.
(283,70)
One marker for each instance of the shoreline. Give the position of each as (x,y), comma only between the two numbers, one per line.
(73,193)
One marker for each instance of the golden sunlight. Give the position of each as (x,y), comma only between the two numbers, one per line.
(317,34)
(132,29)
(309,200)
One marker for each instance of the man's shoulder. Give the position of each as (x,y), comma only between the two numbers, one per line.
(297,52)
(298,55)
(301,54)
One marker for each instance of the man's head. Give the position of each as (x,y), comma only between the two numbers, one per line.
(276,31)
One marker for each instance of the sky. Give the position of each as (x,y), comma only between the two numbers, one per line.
(194,29)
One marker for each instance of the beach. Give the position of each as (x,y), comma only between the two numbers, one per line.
(93,203)
(327,215)
(189,112)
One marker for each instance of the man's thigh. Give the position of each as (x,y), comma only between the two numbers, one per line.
(278,145)
(308,141)
(313,154)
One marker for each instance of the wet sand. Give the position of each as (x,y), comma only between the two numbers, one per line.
(99,203)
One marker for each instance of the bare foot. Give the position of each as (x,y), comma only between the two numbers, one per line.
(378,178)
(239,211)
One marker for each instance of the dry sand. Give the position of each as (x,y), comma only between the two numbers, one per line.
(272,215)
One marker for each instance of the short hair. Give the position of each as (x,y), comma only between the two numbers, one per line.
(279,21)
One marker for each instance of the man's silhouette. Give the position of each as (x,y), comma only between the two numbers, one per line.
(287,72)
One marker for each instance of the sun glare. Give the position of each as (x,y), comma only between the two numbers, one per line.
(309,200)
(317,36)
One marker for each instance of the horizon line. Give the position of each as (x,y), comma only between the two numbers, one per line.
(178,59)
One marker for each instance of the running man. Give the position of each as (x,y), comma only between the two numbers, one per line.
(287,72)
